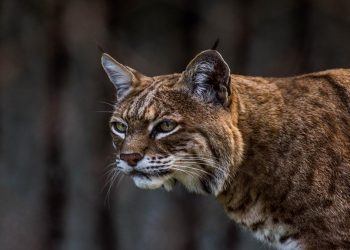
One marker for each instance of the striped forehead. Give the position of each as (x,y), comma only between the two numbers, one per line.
(145,105)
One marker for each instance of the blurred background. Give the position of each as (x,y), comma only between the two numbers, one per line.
(55,146)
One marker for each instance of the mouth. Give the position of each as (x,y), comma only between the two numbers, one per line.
(136,173)
(149,175)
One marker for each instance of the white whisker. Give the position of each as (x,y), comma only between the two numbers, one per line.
(200,163)
(110,183)
(193,168)
(107,103)
(193,174)
(104,111)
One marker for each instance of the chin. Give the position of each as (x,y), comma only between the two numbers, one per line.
(153,182)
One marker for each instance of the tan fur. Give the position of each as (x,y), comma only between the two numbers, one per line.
(277,157)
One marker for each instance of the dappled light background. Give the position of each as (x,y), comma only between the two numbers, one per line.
(55,147)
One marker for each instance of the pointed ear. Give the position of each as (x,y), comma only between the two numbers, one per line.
(207,76)
(122,77)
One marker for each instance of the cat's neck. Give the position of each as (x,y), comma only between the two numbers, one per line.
(259,112)
(257,108)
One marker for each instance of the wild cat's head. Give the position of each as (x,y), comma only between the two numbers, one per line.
(177,127)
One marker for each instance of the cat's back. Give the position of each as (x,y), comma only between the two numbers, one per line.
(330,86)
(315,108)
(316,132)
(309,110)
(298,137)
(333,85)
(313,99)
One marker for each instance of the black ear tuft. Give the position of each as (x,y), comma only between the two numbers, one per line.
(100,48)
(208,77)
(216,44)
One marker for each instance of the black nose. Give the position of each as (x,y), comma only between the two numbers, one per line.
(132,159)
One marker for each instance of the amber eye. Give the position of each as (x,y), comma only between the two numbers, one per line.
(118,127)
(166,126)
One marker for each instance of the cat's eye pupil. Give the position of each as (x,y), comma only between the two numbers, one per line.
(166,126)
(119,127)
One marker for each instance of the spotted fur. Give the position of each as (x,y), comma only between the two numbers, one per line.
(274,151)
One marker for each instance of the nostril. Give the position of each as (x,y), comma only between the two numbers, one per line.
(132,159)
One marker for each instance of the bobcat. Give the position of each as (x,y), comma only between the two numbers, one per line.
(274,151)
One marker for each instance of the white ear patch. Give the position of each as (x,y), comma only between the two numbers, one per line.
(202,73)
(118,74)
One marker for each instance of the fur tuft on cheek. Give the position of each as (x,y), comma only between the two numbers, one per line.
(203,165)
